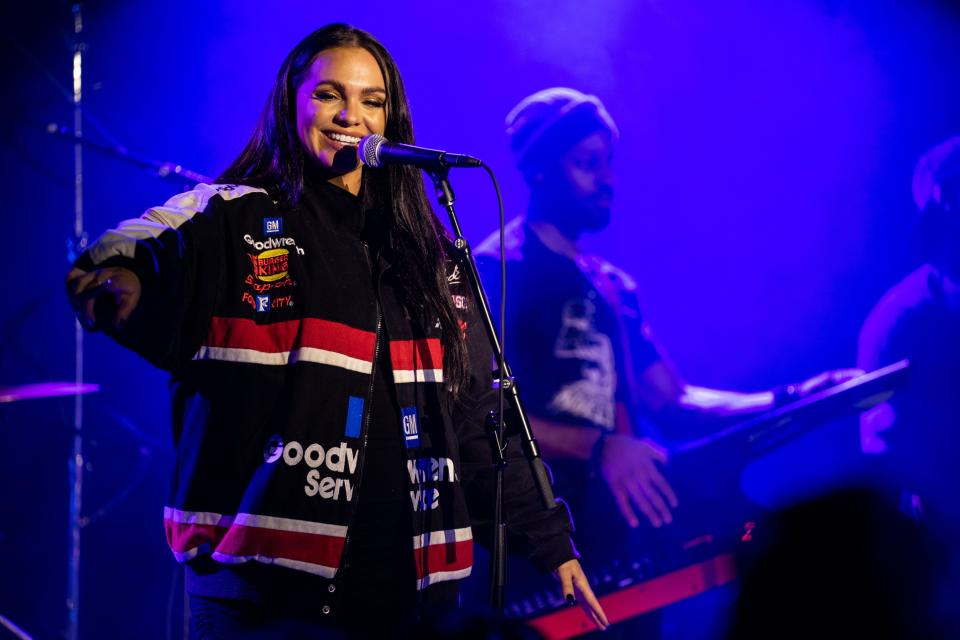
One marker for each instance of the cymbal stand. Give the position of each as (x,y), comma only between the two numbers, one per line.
(76,462)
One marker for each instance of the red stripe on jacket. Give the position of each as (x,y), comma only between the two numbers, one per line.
(444,556)
(242,541)
(281,337)
(407,355)
(183,537)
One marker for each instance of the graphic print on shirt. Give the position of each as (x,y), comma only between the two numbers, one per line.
(592,397)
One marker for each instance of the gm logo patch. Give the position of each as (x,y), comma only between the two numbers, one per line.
(263,303)
(411,427)
(272,226)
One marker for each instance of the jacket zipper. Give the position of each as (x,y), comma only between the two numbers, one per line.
(365,420)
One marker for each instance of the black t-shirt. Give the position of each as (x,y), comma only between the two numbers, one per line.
(576,343)
(379,555)
(574,333)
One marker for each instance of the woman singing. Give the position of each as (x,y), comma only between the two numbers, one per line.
(329,396)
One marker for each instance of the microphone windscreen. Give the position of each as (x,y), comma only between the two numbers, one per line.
(370,150)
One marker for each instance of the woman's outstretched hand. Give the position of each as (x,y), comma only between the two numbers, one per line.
(576,588)
(121,287)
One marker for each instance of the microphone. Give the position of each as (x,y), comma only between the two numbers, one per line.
(375,152)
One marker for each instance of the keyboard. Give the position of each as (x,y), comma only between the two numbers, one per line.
(624,590)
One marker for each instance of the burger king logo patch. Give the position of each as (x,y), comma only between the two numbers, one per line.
(270,265)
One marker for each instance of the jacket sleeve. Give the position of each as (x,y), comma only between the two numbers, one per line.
(174,251)
(541,534)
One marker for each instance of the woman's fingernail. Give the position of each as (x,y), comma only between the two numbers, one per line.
(571,601)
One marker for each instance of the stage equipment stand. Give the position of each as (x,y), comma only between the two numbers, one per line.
(78,245)
(509,395)
(76,462)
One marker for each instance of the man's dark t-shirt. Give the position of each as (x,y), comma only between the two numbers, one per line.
(575,342)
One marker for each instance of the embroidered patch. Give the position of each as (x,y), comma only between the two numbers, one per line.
(454,276)
(264,303)
(273,242)
(410,420)
(354,415)
(270,266)
(272,226)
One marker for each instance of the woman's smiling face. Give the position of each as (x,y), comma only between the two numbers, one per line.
(340,99)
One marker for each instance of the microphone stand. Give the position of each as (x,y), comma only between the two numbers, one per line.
(494,421)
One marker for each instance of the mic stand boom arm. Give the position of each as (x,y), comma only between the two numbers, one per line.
(508,387)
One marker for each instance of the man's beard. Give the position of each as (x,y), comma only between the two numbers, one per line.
(595,219)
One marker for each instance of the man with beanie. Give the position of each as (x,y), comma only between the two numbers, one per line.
(917,434)
(589,374)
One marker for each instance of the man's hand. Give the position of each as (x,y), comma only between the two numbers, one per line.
(84,288)
(574,583)
(630,467)
(826,380)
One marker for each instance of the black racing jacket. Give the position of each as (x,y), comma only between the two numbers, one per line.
(270,321)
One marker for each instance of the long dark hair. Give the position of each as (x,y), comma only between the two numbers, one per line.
(274,159)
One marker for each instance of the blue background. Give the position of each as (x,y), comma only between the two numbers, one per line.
(762,202)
